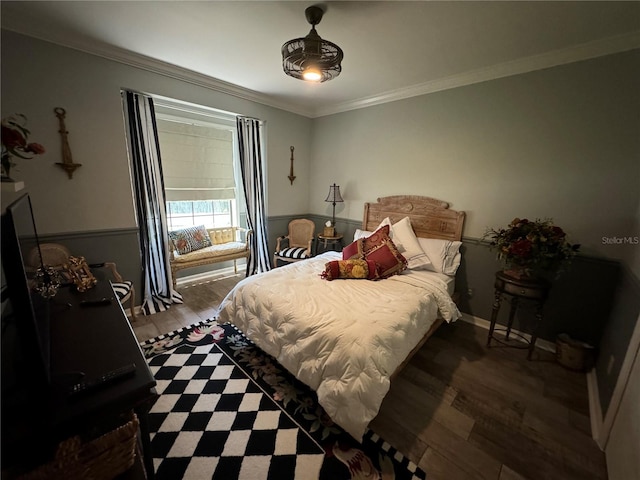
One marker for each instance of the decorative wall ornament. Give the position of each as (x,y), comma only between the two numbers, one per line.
(292,177)
(79,272)
(67,161)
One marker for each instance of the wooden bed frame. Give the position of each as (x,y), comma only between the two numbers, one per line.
(430,218)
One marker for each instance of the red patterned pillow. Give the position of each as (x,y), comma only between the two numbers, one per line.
(376,240)
(364,269)
(360,248)
(353,251)
(389,260)
(380,248)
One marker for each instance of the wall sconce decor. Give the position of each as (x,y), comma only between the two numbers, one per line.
(292,177)
(67,162)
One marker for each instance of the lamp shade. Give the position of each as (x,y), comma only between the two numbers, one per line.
(334,194)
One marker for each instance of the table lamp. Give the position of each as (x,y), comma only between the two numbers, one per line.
(333,197)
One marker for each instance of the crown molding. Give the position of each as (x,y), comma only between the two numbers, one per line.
(169,70)
(585,51)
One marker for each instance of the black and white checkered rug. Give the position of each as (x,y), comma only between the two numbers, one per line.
(228,411)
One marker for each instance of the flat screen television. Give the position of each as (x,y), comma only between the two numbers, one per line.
(25,316)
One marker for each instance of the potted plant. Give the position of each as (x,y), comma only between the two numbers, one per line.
(532,248)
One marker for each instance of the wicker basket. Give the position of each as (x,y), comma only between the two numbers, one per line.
(573,354)
(102,458)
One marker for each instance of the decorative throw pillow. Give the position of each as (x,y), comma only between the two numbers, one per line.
(190,239)
(380,248)
(407,243)
(359,248)
(389,260)
(376,239)
(353,250)
(355,269)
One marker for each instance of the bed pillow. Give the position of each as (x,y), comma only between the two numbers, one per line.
(389,260)
(359,248)
(353,251)
(354,269)
(405,239)
(380,248)
(360,234)
(190,239)
(445,255)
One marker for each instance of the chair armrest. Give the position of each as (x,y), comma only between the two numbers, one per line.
(247,238)
(112,266)
(281,239)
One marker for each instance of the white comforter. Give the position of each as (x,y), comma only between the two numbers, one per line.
(343,338)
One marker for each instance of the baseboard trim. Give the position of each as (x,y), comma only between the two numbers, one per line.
(482,323)
(595,409)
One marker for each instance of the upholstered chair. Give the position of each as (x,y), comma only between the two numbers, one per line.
(297,244)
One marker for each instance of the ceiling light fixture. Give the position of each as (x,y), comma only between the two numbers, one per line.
(311,58)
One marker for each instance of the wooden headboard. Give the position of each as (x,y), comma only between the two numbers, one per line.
(430,218)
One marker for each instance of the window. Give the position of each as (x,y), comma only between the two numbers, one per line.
(210,213)
(199,168)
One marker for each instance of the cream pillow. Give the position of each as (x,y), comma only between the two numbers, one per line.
(361,234)
(407,243)
(445,255)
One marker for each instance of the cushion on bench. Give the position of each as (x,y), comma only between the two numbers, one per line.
(190,239)
(213,251)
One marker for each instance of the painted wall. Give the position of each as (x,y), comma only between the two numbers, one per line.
(38,77)
(561,143)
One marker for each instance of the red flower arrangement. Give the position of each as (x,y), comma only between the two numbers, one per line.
(532,247)
(14,143)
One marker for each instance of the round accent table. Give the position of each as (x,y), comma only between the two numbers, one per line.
(535,290)
(330,243)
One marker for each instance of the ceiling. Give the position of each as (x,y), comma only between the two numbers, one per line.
(392,49)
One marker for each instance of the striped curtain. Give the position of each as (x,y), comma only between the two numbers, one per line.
(146,168)
(252,168)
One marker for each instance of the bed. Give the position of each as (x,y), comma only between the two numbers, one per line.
(347,339)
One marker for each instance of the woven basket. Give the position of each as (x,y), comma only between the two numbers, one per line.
(102,458)
(573,354)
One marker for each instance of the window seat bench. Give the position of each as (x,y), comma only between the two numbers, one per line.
(226,245)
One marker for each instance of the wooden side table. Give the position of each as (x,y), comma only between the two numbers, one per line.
(330,243)
(535,290)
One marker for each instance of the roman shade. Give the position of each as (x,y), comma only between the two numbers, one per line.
(197,161)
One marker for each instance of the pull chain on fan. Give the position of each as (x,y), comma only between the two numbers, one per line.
(312,58)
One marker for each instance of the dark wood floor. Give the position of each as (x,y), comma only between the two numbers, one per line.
(461,410)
